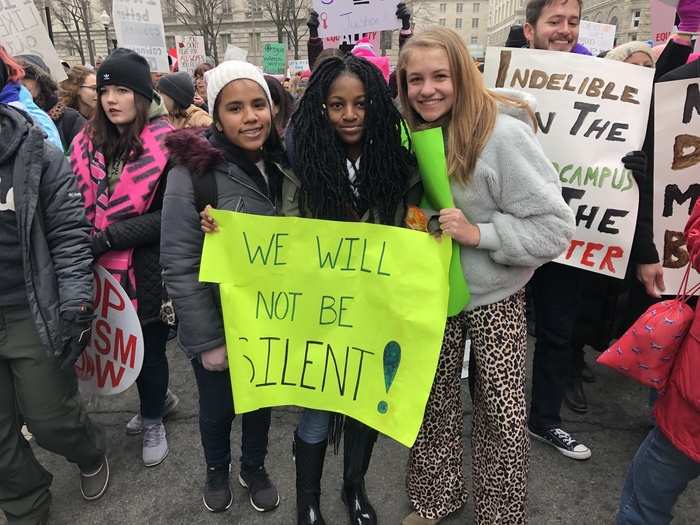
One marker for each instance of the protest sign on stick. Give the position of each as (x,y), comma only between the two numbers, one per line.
(190,52)
(590,113)
(347,17)
(676,173)
(296,66)
(275,59)
(139,27)
(112,360)
(596,37)
(22,32)
(330,315)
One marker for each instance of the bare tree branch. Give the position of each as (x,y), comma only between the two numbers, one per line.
(202,18)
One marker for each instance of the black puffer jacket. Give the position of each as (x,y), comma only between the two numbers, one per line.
(54,233)
(68,122)
(197,305)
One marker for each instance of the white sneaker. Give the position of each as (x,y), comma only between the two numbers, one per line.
(155,445)
(135,425)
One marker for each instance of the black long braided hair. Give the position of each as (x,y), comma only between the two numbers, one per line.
(320,156)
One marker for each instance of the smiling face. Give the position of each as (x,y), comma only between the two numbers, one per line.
(346,107)
(429,85)
(557,27)
(118,104)
(243,115)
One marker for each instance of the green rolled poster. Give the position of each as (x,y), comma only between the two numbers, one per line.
(429,147)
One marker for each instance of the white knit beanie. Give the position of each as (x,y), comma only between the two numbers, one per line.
(216,79)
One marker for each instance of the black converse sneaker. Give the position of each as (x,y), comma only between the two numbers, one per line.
(562,441)
(217,495)
(263,494)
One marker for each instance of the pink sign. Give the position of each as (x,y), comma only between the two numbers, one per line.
(663,17)
(335,41)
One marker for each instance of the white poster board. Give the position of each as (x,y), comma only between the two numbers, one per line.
(590,113)
(296,66)
(112,360)
(344,17)
(190,52)
(139,27)
(676,173)
(235,53)
(22,32)
(335,41)
(596,37)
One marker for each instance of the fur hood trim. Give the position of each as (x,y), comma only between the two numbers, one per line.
(191,148)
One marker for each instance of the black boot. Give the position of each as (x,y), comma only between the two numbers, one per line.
(358,442)
(309,464)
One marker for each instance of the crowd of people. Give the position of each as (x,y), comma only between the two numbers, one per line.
(119,167)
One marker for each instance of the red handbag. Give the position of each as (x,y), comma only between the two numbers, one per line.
(647,350)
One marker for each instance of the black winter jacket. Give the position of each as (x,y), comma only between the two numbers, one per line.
(69,125)
(54,233)
(197,305)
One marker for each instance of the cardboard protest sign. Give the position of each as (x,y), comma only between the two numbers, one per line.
(235,53)
(335,41)
(596,37)
(22,32)
(275,58)
(296,66)
(590,113)
(330,315)
(346,17)
(112,360)
(663,18)
(429,147)
(139,27)
(676,173)
(190,52)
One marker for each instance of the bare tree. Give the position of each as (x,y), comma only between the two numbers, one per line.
(202,18)
(75,18)
(422,14)
(288,17)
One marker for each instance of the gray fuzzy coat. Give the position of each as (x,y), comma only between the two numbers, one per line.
(514,197)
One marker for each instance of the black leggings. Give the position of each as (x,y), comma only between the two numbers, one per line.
(153,379)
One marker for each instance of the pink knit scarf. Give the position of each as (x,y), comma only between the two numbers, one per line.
(131,197)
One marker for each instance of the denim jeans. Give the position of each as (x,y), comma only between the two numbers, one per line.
(659,473)
(216,415)
(313,426)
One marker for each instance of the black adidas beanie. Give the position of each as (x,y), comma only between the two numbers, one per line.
(123,67)
(179,87)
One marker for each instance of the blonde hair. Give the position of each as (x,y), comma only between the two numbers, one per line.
(473,115)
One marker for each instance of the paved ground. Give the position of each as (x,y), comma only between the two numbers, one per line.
(562,491)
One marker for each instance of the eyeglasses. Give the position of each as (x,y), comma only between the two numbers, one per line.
(91,88)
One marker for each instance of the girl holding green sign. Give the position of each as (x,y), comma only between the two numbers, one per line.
(509,218)
(351,166)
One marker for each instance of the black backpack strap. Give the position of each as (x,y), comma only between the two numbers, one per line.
(205,189)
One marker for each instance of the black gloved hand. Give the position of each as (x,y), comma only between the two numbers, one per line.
(636,162)
(100,243)
(404,14)
(312,23)
(76,329)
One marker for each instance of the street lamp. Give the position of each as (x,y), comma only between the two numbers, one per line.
(105,19)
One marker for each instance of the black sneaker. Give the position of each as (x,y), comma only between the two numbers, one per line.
(562,441)
(217,495)
(263,494)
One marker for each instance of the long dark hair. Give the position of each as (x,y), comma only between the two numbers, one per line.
(107,138)
(320,155)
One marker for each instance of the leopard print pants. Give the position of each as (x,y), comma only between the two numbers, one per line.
(500,445)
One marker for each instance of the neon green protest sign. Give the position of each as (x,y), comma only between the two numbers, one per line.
(338,316)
